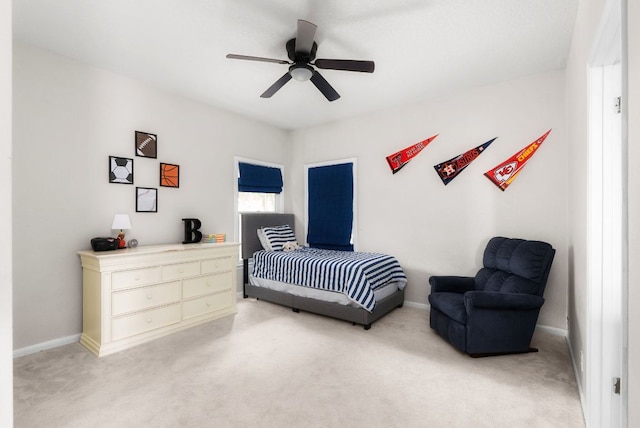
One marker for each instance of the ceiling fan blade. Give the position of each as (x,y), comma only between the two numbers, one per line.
(276,86)
(257,58)
(304,39)
(324,87)
(346,64)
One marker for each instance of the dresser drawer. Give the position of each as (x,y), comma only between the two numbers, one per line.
(180,270)
(135,278)
(204,305)
(146,297)
(222,264)
(130,325)
(206,285)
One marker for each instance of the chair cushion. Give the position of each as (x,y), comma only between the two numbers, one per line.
(504,282)
(450,304)
(528,259)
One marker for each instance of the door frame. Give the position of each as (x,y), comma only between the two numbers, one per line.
(607,230)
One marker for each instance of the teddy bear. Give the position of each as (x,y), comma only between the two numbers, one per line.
(290,246)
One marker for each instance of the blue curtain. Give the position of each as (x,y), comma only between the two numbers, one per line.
(330,208)
(259,179)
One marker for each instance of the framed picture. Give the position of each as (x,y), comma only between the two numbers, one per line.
(146,200)
(120,170)
(169,175)
(146,145)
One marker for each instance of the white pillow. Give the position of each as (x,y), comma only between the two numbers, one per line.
(263,240)
(276,236)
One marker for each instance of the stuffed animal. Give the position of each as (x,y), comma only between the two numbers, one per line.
(290,246)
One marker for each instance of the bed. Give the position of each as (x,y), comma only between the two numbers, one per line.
(356,303)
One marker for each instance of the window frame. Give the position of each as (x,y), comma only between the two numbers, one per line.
(279,202)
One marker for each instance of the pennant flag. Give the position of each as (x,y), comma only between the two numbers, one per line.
(502,175)
(448,170)
(398,160)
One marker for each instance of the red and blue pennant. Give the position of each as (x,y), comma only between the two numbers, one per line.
(448,170)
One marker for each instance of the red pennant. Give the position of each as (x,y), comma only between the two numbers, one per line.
(400,159)
(503,174)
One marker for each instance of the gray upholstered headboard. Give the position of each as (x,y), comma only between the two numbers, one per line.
(251,222)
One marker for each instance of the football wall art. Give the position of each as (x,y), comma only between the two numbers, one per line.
(146,144)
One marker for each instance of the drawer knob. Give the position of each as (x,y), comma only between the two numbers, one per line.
(209,284)
(149,296)
(208,304)
(137,278)
(181,270)
(149,320)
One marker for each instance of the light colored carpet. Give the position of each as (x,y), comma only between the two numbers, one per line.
(270,367)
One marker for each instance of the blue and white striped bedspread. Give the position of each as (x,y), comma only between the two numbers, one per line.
(355,274)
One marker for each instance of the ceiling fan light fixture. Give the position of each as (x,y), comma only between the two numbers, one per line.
(301,72)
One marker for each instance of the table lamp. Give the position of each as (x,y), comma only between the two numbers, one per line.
(122,222)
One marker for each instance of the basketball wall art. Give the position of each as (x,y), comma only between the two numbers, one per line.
(399,159)
(146,144)
(448,170)
(502,175)
(120,170)
(169,175)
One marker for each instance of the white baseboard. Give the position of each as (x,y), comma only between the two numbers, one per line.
(76,337)
(417,305)
(543,328)
(576,373)
(46,345)
(552,330)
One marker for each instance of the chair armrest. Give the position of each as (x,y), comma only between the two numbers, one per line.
(451,284)
(496,300)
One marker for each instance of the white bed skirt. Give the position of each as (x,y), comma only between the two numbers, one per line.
(324,295)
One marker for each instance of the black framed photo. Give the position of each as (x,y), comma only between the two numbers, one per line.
(146,144)
(169,175)
(120,170)
(146,200)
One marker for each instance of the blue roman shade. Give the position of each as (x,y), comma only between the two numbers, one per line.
(330,209)
(259,179)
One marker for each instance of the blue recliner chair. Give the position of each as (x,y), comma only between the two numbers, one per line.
(496,311)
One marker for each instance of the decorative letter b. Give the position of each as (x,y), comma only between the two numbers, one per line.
(191,233)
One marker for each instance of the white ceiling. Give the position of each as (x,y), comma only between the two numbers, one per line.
(421,48)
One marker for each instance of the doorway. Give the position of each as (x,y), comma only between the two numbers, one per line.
(607,229)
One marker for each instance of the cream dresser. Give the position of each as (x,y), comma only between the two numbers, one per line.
(135,295)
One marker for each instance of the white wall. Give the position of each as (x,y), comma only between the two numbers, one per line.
(68,119)
(434,229)
(6,361)
(587,21)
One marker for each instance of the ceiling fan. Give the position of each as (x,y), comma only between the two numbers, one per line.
(302,52)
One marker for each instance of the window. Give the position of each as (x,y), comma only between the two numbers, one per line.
(259,188)
(330,205)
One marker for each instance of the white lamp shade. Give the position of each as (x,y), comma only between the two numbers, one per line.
(121,221)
